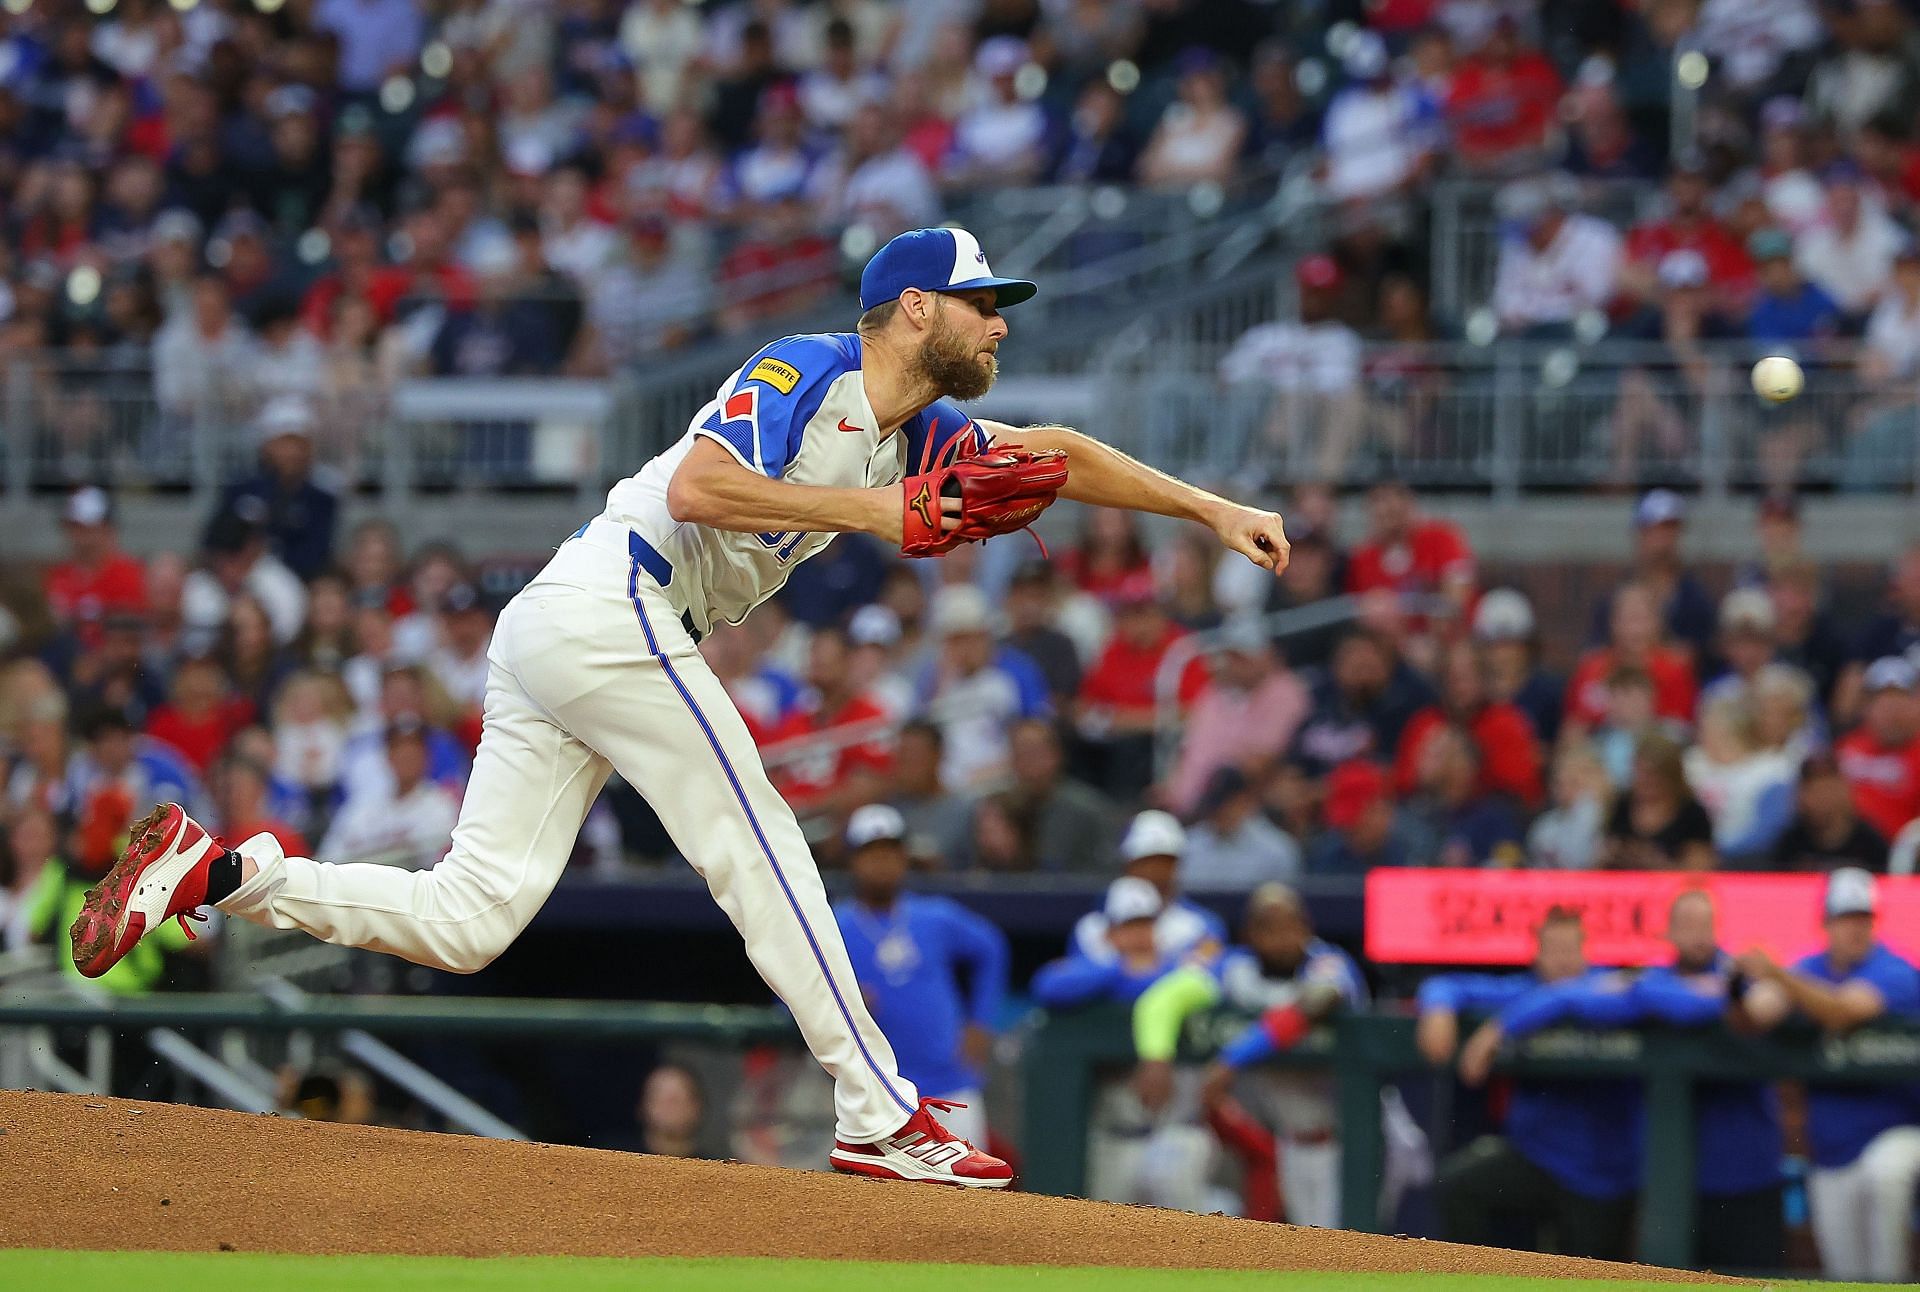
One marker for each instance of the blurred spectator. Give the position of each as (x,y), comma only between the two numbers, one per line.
(1501,106)
(1849,255)
(1804,635)
(1361,705)
(1245,716)
(115,755)
(1758,44)
(842,580)
(671,1114)
(201,715)
(832,781)
(1097,146)
(839,87)
(1657,824)
(1655,417)
(1378,133)
(1031,604)
(1556,264)
(310,727)
(1469,825)
(1865,1139)
(1881,757)
(205,362)
(407,695)
(1568,835)
(1121,697)
(650,299)
(1747,790)
(459,661)
(237,560)
(240,809)
(1503,625)
(909,953)
(96,579)
(1363,831)
(1659,568)
(1108,553)
(28,843)
(1744,644)
(1151,850)
(938,822)
(1302,379)
(1001,136)
(1201,134)
(1504,743)
(1894,630)
(410,825)
(1635,642)
(299,512)
(1826,832)
(1417,557)
(1787,307)
(873,633)
(1231,846)
(975,690)
(1129,957)
(1872,69)
(377,39)
(663,42)
(1570,1154)
(1072,824)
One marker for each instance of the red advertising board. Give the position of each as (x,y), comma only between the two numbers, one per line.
(1487,917)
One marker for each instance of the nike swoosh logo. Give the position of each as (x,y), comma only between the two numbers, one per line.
(845,427)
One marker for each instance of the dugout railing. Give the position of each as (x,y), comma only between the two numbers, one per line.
(1068,1052)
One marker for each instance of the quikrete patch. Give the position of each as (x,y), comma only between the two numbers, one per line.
(783,377)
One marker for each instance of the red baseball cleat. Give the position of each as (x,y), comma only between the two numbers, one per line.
(161,875)
(923,1149)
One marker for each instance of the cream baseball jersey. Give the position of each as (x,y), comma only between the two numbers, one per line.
(796,411)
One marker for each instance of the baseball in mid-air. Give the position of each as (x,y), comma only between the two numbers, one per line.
(1777,379)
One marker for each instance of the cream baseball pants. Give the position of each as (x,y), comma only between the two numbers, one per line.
(592,671)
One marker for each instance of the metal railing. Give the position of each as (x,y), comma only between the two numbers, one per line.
(1504,418)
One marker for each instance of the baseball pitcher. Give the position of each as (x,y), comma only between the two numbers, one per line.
(593,668)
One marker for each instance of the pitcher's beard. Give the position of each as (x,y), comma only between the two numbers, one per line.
(947,364)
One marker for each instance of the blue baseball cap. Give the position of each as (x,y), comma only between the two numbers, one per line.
(935,260)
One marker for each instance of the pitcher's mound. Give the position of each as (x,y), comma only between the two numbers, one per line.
(86,1172)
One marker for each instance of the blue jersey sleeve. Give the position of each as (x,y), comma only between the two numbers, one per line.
(1684,1000)
(1597,1001)
(762,416)
(1251,1046)
(1898,981)
(983,948)
(1477,993)
(1075,980)
(941,433)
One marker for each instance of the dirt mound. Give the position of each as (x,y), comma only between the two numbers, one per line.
(115,1174)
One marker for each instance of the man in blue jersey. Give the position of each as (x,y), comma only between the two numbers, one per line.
(910,952)
(1150,850)
(594,667)
(1738,1221)
(1865,1138)
(1129,962)
(1570,1156)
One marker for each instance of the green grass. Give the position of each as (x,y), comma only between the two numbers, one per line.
(260,1272)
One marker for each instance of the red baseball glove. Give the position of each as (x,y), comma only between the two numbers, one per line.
(1000,490)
